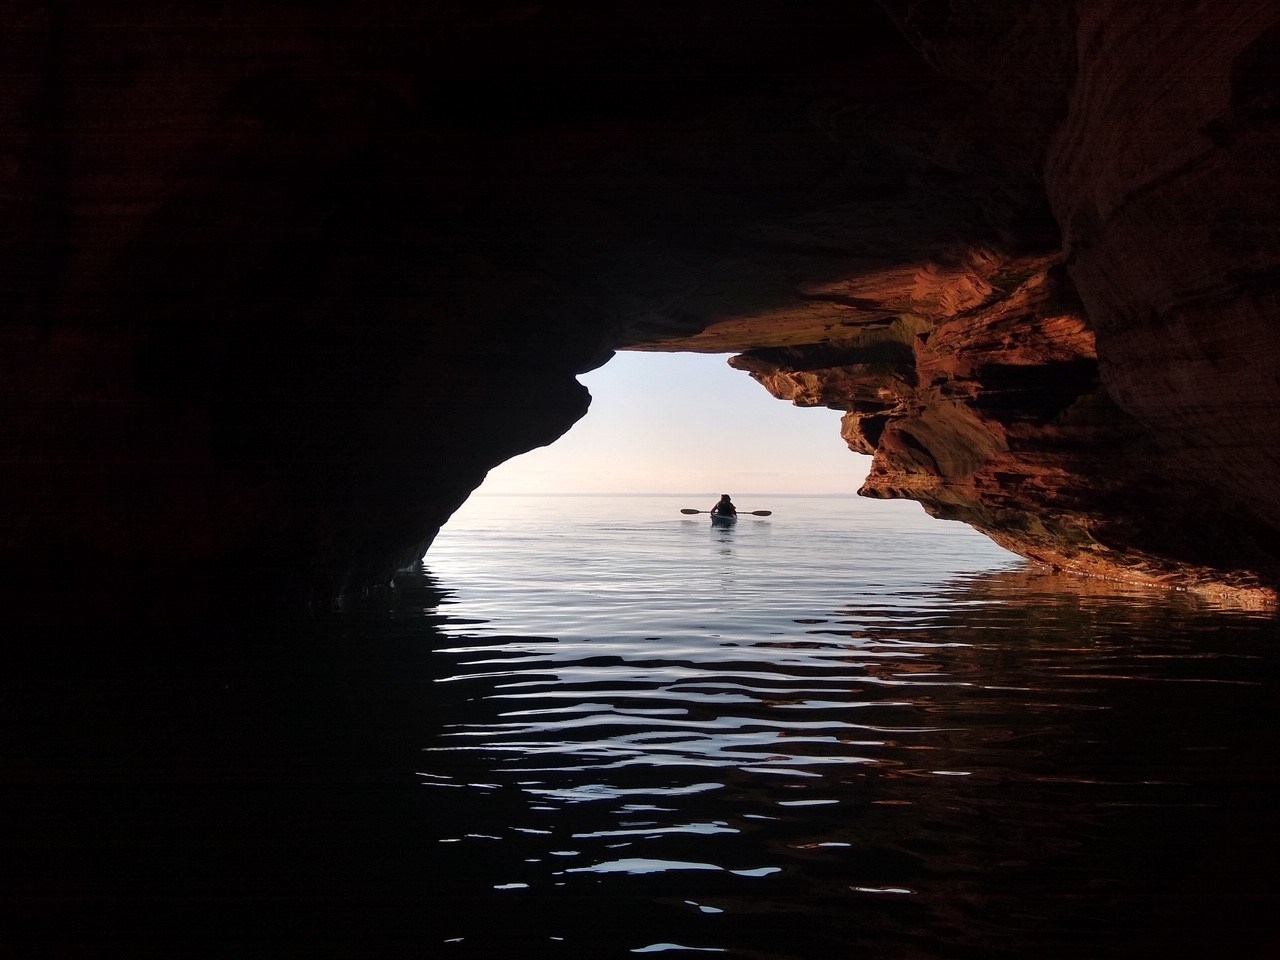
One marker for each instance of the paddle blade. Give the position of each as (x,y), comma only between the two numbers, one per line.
(688,510)
(762,513)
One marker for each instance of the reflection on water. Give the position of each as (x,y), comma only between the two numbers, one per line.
(1082,773)
(633,743)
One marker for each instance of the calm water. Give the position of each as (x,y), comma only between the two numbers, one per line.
(843,731)
(593,728)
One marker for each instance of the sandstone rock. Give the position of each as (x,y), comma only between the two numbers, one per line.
(966,357)
(282,282)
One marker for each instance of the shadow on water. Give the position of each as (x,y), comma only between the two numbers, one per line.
(239,789)
(1080,774)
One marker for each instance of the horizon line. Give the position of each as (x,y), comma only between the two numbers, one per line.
(654,493)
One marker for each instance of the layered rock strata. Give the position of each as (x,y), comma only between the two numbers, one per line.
(1095,389)
(281,283)
(998,418)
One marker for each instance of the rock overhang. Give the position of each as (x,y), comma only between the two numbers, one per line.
(284,284)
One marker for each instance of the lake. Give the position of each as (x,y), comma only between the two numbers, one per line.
(843,730)
(591,727)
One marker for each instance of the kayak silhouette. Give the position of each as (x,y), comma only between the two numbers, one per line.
(754,513)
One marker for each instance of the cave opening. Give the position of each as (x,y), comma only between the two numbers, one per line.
(667,431)
(686,423)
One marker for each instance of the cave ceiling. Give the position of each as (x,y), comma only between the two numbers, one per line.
(283,281)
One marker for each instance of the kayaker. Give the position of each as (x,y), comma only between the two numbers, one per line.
(724,507)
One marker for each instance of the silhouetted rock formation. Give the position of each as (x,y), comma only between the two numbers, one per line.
(282,282)
(1097,389)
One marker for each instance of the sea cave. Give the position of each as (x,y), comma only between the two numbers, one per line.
(283,282)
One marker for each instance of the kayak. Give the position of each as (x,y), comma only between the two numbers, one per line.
(723,519)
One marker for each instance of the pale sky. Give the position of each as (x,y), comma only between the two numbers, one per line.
(686,423)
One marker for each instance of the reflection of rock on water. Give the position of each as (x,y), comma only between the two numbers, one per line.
(1036,585)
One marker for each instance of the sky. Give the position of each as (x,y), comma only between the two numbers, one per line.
(687,423)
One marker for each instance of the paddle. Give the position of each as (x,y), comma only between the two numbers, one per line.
(754,513)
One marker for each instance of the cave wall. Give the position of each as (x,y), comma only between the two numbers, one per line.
(1163,175)
(281,282)
(1075,348)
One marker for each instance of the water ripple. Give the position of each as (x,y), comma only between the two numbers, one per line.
(995,763)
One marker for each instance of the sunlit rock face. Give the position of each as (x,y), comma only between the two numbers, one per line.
(281,282)
(1097,388)
(999,418)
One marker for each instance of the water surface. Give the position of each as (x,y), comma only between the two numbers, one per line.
(841,731)
(594,728)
